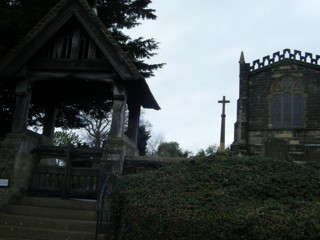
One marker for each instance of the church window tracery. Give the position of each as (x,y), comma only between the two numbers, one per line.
(287,104)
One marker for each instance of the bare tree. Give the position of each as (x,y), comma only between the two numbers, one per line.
(97,124)
(97,129)
(154,142)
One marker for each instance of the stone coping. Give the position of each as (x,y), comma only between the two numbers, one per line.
(157,159)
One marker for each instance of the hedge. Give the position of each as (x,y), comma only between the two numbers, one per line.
(221,198)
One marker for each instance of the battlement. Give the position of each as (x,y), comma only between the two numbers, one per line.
(286,54)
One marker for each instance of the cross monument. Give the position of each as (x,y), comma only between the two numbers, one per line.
(223,124)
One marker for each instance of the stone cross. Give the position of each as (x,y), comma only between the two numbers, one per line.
(223,123)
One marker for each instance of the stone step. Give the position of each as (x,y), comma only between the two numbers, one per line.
(48,212)
(51,218)
(43,222)
(52,202)
(13,238)
(46,234)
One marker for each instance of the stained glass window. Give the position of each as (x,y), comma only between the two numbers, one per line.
(297,111)
(276,111)
(287,110)
(287,103)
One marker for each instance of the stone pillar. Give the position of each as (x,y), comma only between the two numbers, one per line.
(17,165)
(23,97)
(50,120)
(133,124)
(242,108)
(240,127)
(223,125)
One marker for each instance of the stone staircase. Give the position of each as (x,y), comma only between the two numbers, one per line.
(51,219)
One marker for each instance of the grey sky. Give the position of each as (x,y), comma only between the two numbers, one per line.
(201,42)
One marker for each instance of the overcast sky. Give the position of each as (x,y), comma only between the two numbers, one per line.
(201,42)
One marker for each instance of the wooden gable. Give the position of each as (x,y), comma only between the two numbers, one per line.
(60,20)
(71,48)
(72,38)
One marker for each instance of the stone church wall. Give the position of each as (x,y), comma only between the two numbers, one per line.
(256,110)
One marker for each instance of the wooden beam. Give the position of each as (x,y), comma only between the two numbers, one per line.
(43,64)
(133,124)
(101,77)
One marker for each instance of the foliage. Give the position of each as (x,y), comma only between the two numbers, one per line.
(171,149)
(17,17)
(65,138)
(211,150)
(222,198)
(144,132)
(143,136)
(126,14)
(154,142)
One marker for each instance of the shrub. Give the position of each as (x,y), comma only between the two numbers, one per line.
(222,198)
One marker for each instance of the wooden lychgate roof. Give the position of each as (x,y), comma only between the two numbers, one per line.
(108,56)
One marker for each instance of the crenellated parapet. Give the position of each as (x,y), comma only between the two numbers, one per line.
(286,54)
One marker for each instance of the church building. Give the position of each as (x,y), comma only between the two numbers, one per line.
(278,107)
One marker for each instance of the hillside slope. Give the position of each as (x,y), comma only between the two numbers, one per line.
(222,198)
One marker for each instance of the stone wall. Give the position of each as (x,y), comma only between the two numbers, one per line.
(115,152)
(16,165)
(259,92)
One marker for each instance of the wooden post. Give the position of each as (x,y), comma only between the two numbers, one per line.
(119,111)
(23,97)
(223,123)
(49,120)
(67,175)
(133,124)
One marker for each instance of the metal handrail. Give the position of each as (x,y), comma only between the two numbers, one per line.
(100,208)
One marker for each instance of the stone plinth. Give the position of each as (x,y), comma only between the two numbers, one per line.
(115,152)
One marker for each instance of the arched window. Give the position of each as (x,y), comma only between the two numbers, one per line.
(287,103)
